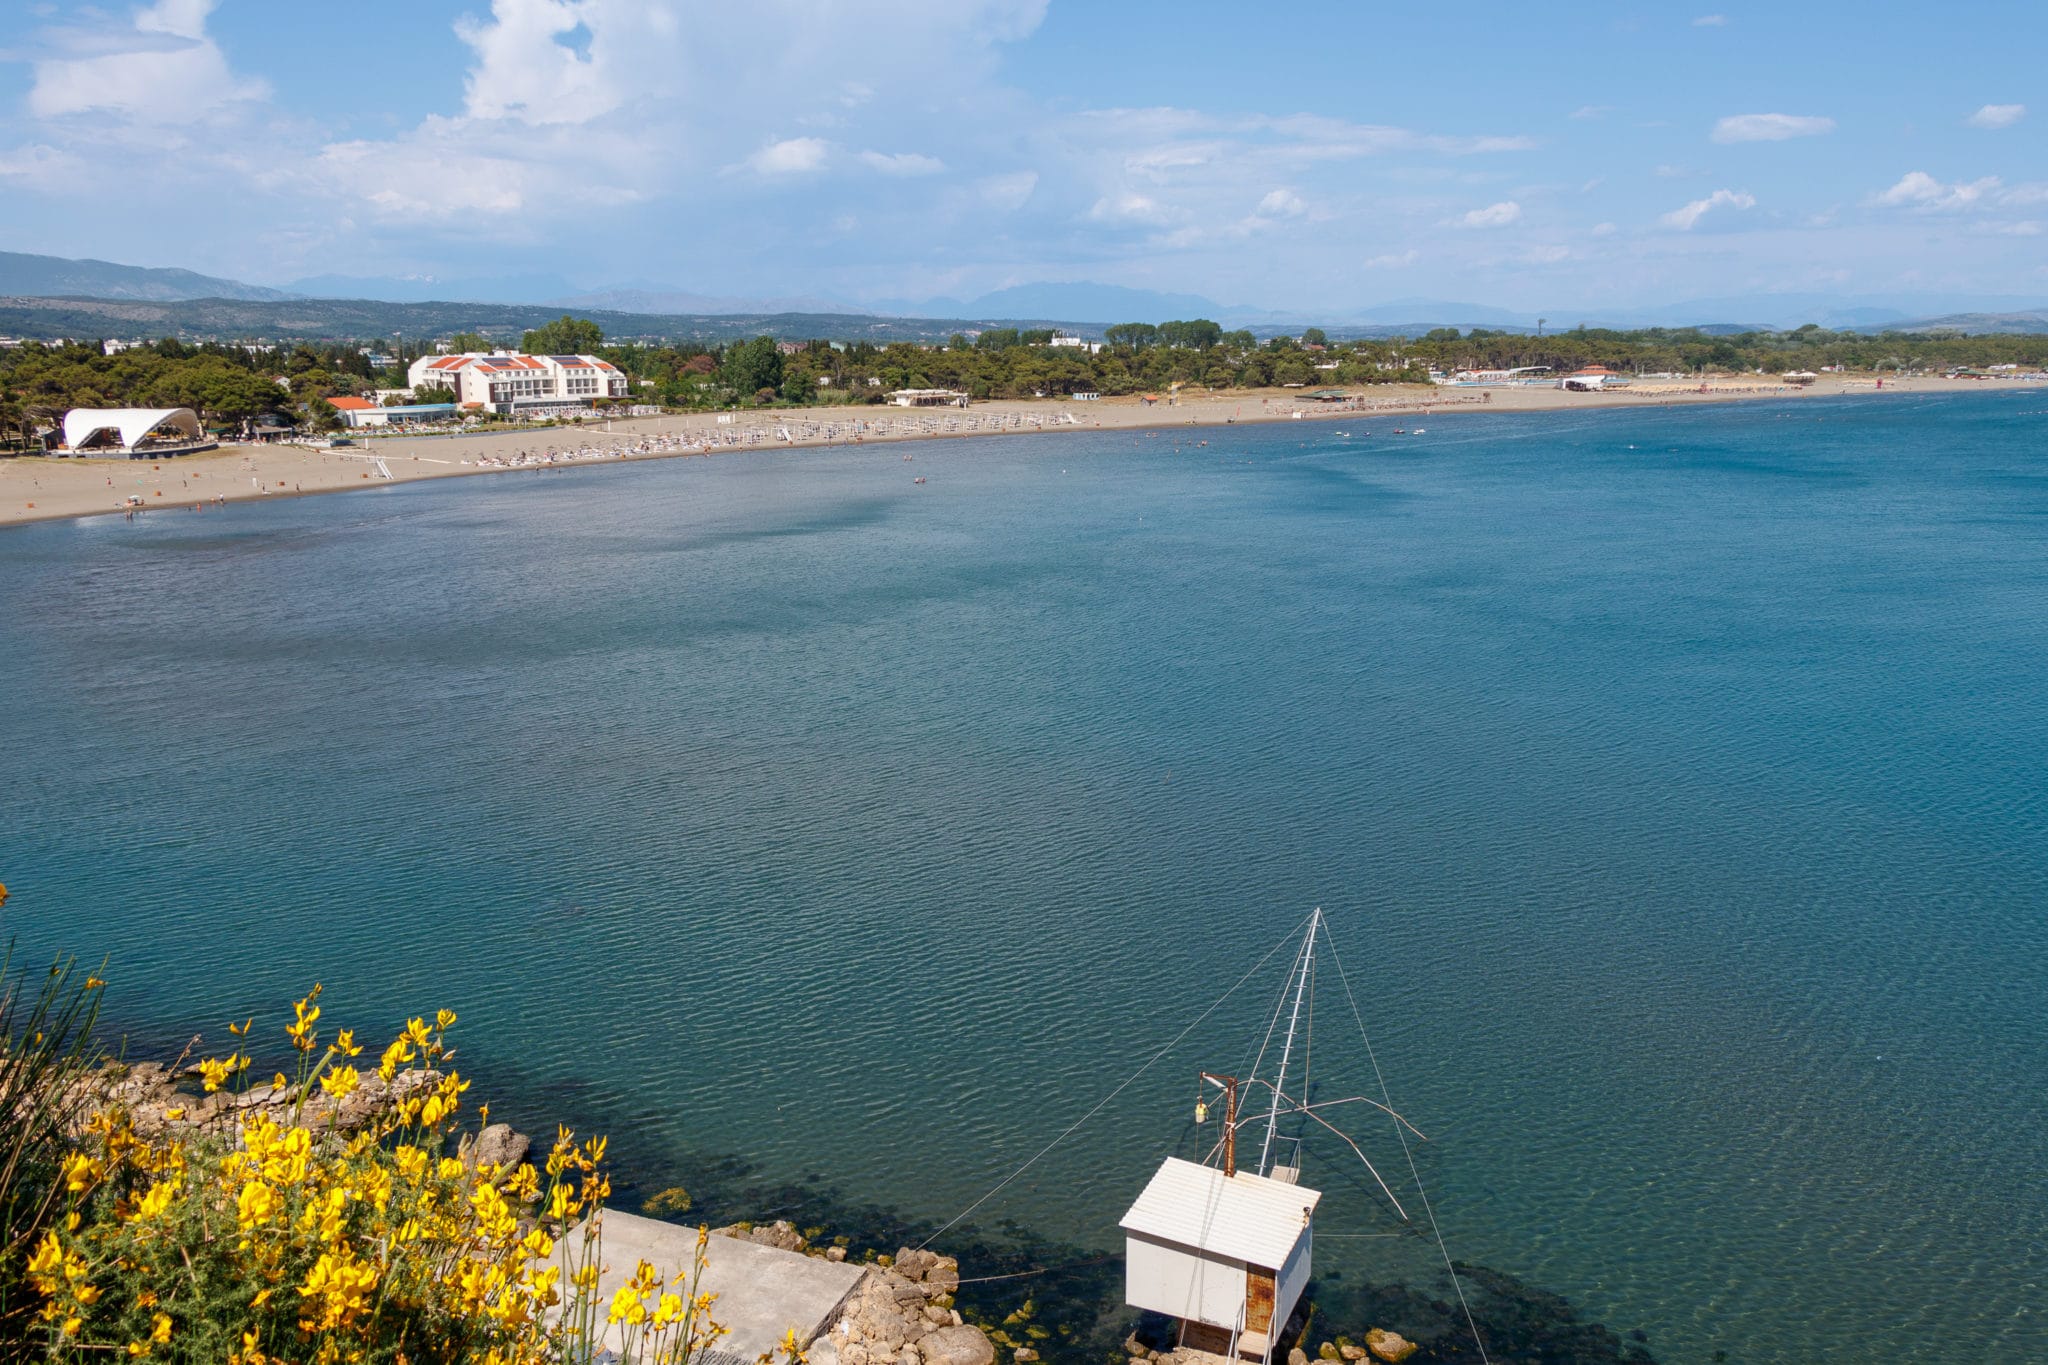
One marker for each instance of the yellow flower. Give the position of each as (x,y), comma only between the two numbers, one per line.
(157,1200)
(444,1020)
(395,1056)
(175,1113)
(416,1032)
(345,1043)
(257,1202)
(626,1306)
(82,1172)
(161,1333)
(340,1081)
(93,983)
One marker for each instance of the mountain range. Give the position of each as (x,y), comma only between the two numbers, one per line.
(1081,305)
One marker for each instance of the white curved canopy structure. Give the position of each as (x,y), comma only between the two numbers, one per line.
(85,426)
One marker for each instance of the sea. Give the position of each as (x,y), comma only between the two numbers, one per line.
(1673,783)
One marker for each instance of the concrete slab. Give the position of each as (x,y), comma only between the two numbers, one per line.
(762,1292)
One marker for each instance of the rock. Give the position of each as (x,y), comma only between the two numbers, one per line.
(954,1316)
(781,1234)
(937,1316)
(1297,1356)
(1024,1355)
(835,1253)
(1134,1348)
(853,1353)
(912,1264)
(957,1346)
(942,1276)
(1350,1352)
(497,1145)
(1391,1347)
(909,1356)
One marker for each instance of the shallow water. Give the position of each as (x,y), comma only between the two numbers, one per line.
(1673,780)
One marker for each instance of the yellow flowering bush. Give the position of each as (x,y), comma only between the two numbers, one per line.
(267,1231)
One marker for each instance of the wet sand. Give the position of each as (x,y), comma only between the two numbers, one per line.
(36,488)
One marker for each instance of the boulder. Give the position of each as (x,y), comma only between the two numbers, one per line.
(835,1253)
(853,1353)
(942,1276)
(1297,1356)
(936,1315)
(781,1234)
(911,1264)
(1391,1347)
(497,1145)
(1350,1352)
(957,1346)
(1024,1355)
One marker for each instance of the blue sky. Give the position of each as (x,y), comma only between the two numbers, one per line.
(1302,157)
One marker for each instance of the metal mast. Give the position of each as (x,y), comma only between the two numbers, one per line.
(1308,950)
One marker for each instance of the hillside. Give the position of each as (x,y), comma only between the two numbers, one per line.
(21,273)
(363,319)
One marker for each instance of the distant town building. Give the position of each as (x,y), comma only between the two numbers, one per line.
(1067,339)
(512,383)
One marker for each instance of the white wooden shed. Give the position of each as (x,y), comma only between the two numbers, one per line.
(1228,1255)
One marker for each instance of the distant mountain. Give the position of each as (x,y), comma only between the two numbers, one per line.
(55,275)
(510,289)
(369,319)
(661,299)
(1081,301)
(2033,320)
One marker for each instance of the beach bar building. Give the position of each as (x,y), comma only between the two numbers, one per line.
(928,398)
(1225,1254)
(139,433)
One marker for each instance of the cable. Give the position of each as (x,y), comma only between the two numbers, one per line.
(1388,1099)
(1213,1007)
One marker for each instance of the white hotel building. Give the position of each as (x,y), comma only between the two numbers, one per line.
(509,382)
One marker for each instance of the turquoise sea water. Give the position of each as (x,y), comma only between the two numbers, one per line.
(1674,781)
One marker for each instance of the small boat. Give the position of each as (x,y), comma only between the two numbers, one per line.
(1400,431)
(1418,431)
(918,479)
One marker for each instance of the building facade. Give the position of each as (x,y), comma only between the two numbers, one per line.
(512,383)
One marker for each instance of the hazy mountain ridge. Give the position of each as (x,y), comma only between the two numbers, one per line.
(48,276)
(48,296)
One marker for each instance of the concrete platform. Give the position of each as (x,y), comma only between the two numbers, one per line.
(762,1293)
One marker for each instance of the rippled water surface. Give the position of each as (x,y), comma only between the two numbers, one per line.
(1675,782)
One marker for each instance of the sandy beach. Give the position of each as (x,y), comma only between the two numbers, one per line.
(36,488)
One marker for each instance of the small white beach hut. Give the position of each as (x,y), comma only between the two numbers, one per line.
(1228,1255)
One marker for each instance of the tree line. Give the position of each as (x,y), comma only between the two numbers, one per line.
(232,385)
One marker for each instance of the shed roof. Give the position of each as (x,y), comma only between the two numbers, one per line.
(1244,1217)
(346,404)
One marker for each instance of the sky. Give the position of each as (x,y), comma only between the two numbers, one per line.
(1299,157)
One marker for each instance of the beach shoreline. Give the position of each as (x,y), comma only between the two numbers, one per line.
(43,488)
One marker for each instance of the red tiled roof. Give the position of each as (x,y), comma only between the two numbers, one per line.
(352,404)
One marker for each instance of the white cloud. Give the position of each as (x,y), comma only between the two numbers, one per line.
(791,156)
(1685,219)
(524,72)
(1918,189)
(1603,230)
(1997,116)
(1127,208)
(1492,216)
(1282,204)
(1711,21)
(2025,228)
(903,163)
(1770,127)
(161,68)
(1592,111)
(1391,261)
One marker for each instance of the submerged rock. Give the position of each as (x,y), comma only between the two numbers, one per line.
(1391,1347)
